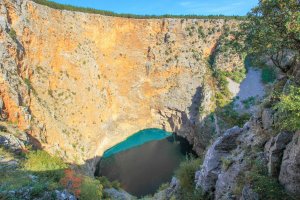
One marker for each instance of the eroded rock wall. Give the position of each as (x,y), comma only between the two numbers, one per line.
(80,83)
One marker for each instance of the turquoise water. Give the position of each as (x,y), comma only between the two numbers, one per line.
(137,139)
(144,161)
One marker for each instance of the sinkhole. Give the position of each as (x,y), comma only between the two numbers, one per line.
(144,161)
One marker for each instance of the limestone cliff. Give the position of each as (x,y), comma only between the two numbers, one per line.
(80,83)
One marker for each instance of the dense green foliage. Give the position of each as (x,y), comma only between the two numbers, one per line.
(249,102)
(107,184)
(238,75)
(41,163)
(222,85)
(19,178)
(41,174)
(91,189)
(108,13)
(289,110)
(186,173)
(231,117)
(272,28)
(268,75)
(267,187)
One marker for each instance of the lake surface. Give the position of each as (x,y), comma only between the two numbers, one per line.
(144,161)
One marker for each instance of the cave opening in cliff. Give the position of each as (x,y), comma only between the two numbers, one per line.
(144,161)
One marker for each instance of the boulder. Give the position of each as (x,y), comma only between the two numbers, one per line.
(206,178)
(11,142)
(289,175)
(274,151)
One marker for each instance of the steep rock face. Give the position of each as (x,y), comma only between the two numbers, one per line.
(290,168)
(274,151)
(80,83)
(227,173)
(207,177)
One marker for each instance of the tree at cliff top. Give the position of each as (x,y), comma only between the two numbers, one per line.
(273,29)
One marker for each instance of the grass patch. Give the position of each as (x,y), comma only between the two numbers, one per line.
(41,163)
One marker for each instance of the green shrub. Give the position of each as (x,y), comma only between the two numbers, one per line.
(226,163)
(249,102)
(186,173)
(289,110)
(41,163)
(237,75)
(222,97)
(38,190)
(231,117)
(268,75)
(29,86)
(201,33)
(257,177)
(108,184)
(13,180)
(12,33)
(91,189)
(267,187)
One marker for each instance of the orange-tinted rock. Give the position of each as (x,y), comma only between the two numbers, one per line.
(95,80)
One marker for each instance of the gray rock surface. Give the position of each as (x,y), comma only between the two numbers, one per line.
(289,175)
(274,151)
(11,142)
(168,192)
(227,179)
(206,178)
(118,194)
(267,118)
(64,195)
(249,194)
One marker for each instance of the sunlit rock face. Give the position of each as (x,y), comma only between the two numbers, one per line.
(81,83)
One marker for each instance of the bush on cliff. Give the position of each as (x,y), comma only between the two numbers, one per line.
(12,33)
(289,110)
(186,173)
(91,189)
(266,187)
